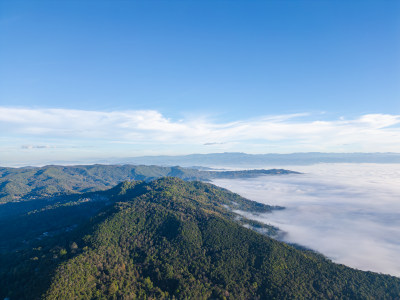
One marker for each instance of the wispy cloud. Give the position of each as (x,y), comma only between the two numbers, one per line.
(212,144)
(29,147)
(296,132)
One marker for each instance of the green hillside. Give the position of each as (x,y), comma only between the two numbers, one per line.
(18,184)
(171,239)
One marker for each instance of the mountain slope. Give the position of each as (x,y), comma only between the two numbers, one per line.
(170,238)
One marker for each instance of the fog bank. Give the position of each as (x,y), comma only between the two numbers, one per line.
(348,212)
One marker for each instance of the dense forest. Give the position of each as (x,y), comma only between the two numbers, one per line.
(171,239)
(28,183)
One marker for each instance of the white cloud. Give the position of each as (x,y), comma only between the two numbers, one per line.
(292,133)
(30,147)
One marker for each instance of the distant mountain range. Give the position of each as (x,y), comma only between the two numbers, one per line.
(229,159)
(237,159)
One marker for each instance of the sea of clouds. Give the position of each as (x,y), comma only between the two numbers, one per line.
(348,212)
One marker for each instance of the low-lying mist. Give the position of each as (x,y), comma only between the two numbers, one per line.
(348,212)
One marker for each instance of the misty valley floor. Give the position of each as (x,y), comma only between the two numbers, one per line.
(348,212)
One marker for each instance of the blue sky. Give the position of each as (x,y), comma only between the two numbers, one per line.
(204,72)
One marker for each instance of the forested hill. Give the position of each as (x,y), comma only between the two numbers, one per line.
(26,183)
(171,239)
